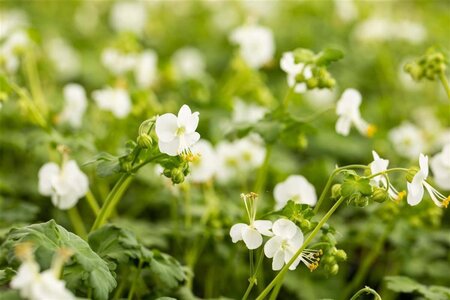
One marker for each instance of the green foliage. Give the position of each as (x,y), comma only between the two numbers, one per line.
(6,275)
(166,271)
(403,284)
(301,214)
(85,269)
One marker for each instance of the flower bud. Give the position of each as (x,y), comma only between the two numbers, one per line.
(341,255)
(300,77)
(312,83)
(380,195)
(411,173)
(359,200)
(167,173)
(305,224)
(336,191)
(334,269)
(126,165)
(177,176)
(144,141)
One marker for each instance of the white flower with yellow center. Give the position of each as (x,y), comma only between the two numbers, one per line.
(295,188)
(177,133)
(347,109)
(440,165)
(380,165)
(418,183)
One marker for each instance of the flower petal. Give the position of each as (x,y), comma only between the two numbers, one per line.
(423,163)
(297,241)
(236,232)
(46,175)
(187,119)
(284,228)
(166,127)
(191,138)
(252,238)
(343,125)
(171,148)
(263,227)
(278,260)
(272,246)
(415,193)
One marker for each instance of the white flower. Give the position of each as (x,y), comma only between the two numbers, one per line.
(440,165)
(48,287)
(203,167)
(26,275)
(247,112)
(407,140)
(287,240)
(188,63)
(418,183)
(146,68)
(346,10)
(11,50)
(116,62)
(65,185)
(64,58)
(128,16)
(115,100)
(256,44)
(75,104)
(288,65)
(295,188)
(12,20)
(177,134)
(251,234)
(347,109)
(380,165)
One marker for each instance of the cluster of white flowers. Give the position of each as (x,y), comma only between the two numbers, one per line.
(14,39)
(296,188)
(293,69)
(188,63)
(128,16)
(75,104)
(379,29)
(115,100)
(286,238)
(65,185)
(35,285)
(143,65)
(347,109)
(256,44)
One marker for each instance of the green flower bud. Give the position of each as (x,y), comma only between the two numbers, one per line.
(329,260)
(380,195)
(300,77)
(341,255)
(167,173)
(411,173)
(359,200)
(334,269)
(126,165)
(177,176)
(305,224)
(144,141)
(312,83)
(336,191)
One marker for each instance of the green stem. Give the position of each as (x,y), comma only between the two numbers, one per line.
(252,280)
(308,240)
(367,290)
(262,174)
(276,290)
(445,83)
(35,83)
(77,222)
(387,171)
(111,201)
(92,203)
(133,285)
(187,205)
(287,97)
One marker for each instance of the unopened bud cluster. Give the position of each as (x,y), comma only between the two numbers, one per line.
(428,66)
(177,174)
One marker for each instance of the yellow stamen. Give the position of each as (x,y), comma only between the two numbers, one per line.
(400,196)
(371,129)
(446,202)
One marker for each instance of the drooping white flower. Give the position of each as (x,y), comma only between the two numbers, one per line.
(440,165)
(418,183)
(296,188)
(177,133)
(65,185)
(128,16)
(256,44)
(146,68)
(118,63)
(407,140)
(287,240)
(380,165)
(251,233)
(288,65)
(247,112)
(347,109)
(115,100)
(204,166)
(188,63)
(64,58)
(75,104)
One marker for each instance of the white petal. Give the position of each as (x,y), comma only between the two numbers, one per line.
(171,148)
(423,163)
(297,241)
(272,246)
(191,138)
(284,228)
(236,232)
(46,174)
(166,127)
(184,116)
(263,227)
(415,193)
(278,260)
(252,238)
(343,125)
(295,263)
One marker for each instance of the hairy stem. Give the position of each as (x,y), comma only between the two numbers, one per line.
(367,290)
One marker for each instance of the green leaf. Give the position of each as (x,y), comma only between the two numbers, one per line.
(353,184)
(328,56)
(6,275)
(403,284)
(85,268)
(166,270)
(107,164)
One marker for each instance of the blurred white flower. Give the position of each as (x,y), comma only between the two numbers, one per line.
(75,104)
(407,140)
(346,10)
(118,63)
(11,50)
(26,275)
(296,188)
(440,165)
(418,183)
(64,58)
(128,16)
(247,112)
(177,133)
(203,168)
(115,100)
(380,165)
(12,20)
(256,44)
(146,68)
(65,185)
(188,63)
(86,17)
(320,98)
(288,65)
(347,109)
(287,240)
